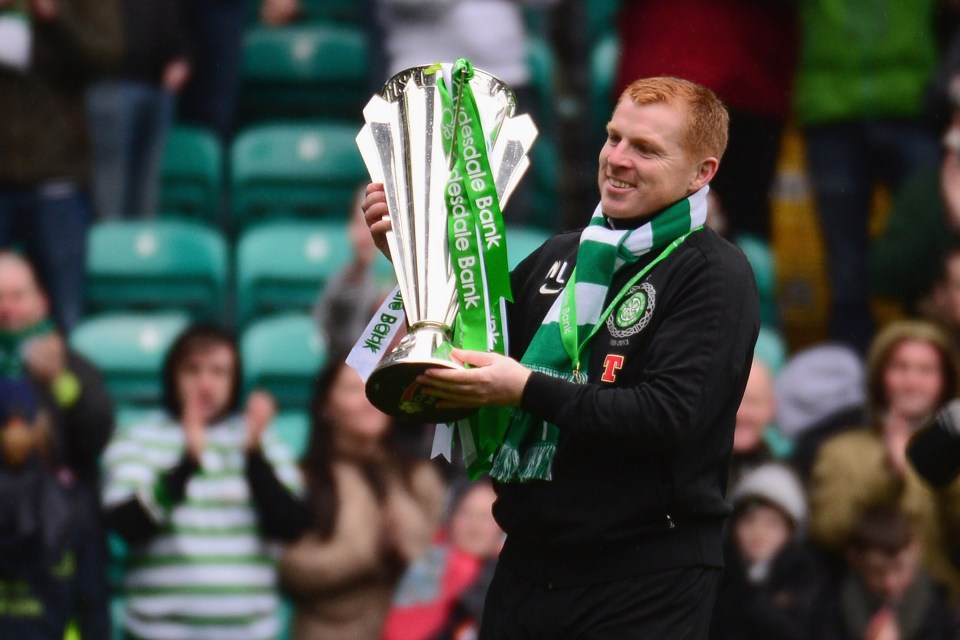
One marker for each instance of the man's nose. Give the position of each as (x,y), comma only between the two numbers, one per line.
(618,155)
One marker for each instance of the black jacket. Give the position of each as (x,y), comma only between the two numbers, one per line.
(641,467)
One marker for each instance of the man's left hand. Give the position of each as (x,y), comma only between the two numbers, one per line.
(493,380)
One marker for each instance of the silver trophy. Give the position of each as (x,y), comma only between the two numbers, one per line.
(402,147)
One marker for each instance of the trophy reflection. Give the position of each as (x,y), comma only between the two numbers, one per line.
(402,145)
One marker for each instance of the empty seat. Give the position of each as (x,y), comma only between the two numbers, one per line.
(283,354)
(295,170)
(161,264)
(313,70)
(192,175)
(283,265)
(128,349)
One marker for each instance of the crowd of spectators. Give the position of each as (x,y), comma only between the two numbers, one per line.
(215,524)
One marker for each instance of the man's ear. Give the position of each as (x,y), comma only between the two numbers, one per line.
(705,172)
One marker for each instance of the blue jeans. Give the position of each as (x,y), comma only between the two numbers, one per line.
(128,121)
(845,161)
(50,223)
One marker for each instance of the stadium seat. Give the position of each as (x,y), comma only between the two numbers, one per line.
(316,70)
(293,429)
(191,181)
(294,170)
(544,172)
(283,354)
(128,349)
(521,241)
(283,265)
(161,264)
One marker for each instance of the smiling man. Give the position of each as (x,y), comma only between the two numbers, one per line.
(622,388)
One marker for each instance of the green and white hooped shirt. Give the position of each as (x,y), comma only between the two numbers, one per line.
(208,574)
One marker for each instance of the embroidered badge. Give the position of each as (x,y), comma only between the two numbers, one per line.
(611,364)
(634,312)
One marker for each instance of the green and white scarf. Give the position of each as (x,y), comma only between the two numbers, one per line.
(576,315)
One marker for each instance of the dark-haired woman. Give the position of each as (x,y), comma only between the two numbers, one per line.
(375,507)
(199,492)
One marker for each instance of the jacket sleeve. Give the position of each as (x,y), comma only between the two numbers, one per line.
(281,514)
(696,361)
(85,38)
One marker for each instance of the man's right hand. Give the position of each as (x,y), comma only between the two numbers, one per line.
(375,212)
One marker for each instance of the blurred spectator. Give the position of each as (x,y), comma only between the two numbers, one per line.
(198,492)
(884,594)
(70,388)
(864,67)
(215,31)
(911,370)
(44,163)
(131,112)
(754,417)
(820,392)
(772,582)
(944,302)
(434,599)
(51,566)
(375,507)
(349,299)
(923,225)
(745,51)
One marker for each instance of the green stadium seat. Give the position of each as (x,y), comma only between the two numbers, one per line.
(771,348)
(316,70)
(544,171)
(191,180)
(293,429)
(283,354)
(128,349)
(290,170)
(160,264)
(283,265)
(521,241)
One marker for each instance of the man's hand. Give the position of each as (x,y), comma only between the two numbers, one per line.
(493,381)
(46,357)
(176,74)
(261,409)
(375,212)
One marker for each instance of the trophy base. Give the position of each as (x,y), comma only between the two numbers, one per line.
(393,388)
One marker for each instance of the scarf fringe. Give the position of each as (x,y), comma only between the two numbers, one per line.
(506,464)
(538,462)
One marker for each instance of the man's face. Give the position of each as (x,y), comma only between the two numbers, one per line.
(913,379)
(888,576)
(643,167)
(21,302)
(206,378)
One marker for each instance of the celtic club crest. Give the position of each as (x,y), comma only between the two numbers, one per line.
(634,312)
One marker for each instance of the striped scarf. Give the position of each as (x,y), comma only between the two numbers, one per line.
(530,442)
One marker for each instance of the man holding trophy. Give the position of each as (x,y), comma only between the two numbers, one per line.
(630,343)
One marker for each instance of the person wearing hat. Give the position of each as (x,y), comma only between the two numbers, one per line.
(51,570)
(772,582)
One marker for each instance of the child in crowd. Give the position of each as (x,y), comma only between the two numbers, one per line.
(435,600)
(772,582)
(884,594)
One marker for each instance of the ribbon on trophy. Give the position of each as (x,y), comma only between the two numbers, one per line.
(478,254)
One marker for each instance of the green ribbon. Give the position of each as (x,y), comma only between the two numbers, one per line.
(478,250)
